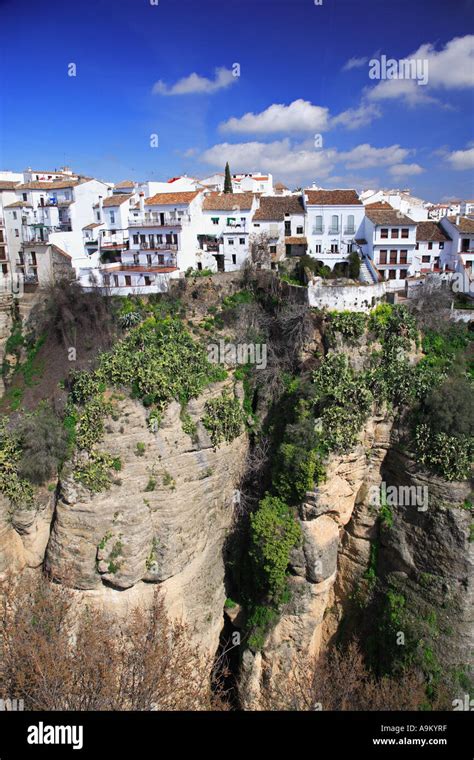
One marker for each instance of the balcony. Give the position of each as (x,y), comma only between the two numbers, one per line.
(157,246)
(333,231)
(159,220)
(124,245)
(318,230)
(349,230)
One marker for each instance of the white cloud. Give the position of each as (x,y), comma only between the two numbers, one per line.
(296,163)
(194,83)
(354,118)
(405,170)
(355,63)
(298,116)
(300,163)
(461,159)
(366,156)
(450,68)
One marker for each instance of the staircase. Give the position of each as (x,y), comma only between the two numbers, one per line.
(365,275)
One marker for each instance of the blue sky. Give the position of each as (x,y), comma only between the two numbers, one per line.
(309,64)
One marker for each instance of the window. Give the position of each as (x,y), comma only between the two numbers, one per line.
(287,228)
(441,246)
(430,246)
(299,230)
(349,248)
(426,259)
(403,274)
(241,241)
(17,234)
(334,223)
(417,246)
(393,257)
(25,197)
(384,232)
(234,258)
(392,273)
(256,225)
(394,232)
(128,281)
(383,257)
(405,232)
(273,249)
(14,214)
(112,217)
(403,257)
(334,248)
(350,223)
(214,220)
(436,261)
(98,216)
(199,266)
(317,248)
(231,241)
(318,224)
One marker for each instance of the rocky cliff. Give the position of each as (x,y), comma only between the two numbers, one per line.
(163,521)
(426,553)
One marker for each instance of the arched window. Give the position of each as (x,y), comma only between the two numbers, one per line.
(350,223)
(334,223)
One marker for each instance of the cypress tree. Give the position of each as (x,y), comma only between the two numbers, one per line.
(227,180)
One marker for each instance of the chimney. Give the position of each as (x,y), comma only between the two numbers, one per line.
(142,202)
(101,206)
(109,192)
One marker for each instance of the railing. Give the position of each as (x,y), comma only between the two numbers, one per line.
(140,266)
(349,231)
(157,246)
(112,245)
(169,220)
(318,230)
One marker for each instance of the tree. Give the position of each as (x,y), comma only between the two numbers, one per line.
(43,440)
(56,655)
(227,180)
(354,266)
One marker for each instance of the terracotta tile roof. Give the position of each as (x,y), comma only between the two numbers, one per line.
(114,200)
(298,240)
(379,204)
(125,183)
(280,186)
(60,251)
(387,216)
(6,185)
(333,198)
(259,179)
(465,224)
(228,201)
(172,199)
(51,185)
(92,225)
(119,267)
(274,207)
(430,231)
(19,204)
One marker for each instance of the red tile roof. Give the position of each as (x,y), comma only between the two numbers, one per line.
(172,199)
(333,198)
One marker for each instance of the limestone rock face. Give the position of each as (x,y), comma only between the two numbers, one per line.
(163,521)
(24,534)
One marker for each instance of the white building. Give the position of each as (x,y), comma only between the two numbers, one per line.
(8,183)
(389,241)
(253,182)
(400,200)
(162,242)
(461,231)
(224,236)
(53,212)
(433,248)
(281,221)
(335,218)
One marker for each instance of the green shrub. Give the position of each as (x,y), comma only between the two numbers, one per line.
(350,324)
(223,419)
(94,472)
(43,441)
(274,533)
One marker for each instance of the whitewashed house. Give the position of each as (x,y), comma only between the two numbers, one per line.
(224,236)
(334,221)
(432,250)
(280,219)
(253,182)
(461,231)
(400,200)
(388,240)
